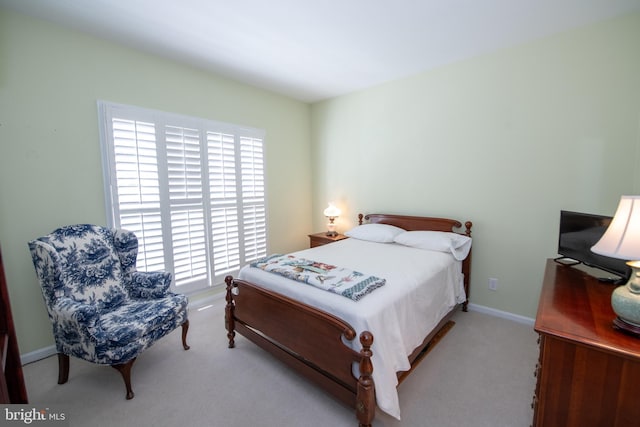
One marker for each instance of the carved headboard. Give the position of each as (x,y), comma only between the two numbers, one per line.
(413,223)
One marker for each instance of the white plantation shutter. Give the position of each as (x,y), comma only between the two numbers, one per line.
(138,189)
(192,191)
(184,172)
(254,215)
(225,228)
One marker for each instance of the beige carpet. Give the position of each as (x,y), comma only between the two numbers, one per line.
(480,374)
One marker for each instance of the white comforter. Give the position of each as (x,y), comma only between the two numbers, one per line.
(422,287)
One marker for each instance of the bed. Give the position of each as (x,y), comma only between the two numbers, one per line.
(315,332)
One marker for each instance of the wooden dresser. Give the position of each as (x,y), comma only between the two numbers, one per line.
(588,373)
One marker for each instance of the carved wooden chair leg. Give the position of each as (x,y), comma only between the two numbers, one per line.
(125,370)
(63,368)
(185,329)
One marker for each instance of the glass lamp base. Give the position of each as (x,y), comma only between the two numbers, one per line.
(625,301)
(331,228)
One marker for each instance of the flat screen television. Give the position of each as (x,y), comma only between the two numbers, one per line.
(578,233)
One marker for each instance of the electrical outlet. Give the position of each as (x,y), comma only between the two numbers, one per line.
(493,284)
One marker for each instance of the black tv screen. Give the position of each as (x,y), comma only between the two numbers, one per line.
(578,233)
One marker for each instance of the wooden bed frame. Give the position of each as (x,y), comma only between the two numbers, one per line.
(310,340)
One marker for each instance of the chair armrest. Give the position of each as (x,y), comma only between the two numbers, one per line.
(82,315)
(149,284)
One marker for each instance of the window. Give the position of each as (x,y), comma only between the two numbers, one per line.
(192,190)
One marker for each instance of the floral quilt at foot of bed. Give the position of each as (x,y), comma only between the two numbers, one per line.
(339,280)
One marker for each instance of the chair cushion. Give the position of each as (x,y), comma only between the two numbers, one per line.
(142,320)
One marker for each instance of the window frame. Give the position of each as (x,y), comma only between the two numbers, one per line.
(169,205)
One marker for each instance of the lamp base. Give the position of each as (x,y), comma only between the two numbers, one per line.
(625,302)
(626,327)
(332,233)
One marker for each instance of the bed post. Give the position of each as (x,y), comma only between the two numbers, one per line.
(468,226)
(229,321)
(466,267)
(365,398)
(360,216)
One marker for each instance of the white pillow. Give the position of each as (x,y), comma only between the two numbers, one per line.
(441,241)
(381,233)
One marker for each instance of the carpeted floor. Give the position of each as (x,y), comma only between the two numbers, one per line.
(479,375)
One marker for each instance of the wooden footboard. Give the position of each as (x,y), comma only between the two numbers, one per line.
(308,340)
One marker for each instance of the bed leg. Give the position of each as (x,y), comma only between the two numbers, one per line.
(466,269)
(365,398)
(229,321)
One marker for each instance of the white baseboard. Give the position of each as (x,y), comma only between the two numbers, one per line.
(503,314)
(206,300)
(36,355)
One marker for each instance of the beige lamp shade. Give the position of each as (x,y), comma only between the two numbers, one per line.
(622,238)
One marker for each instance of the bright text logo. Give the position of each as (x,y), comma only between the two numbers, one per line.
(16,414)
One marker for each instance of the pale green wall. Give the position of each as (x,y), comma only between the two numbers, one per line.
(50,165)
(506,140)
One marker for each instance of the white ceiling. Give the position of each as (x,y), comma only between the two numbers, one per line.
(313,50)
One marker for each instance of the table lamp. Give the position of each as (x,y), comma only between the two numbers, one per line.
(332,213)
(622,240)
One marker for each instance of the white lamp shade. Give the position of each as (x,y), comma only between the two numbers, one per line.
(622,238)
(332,211)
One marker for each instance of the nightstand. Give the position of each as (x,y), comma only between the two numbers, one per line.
(320,239)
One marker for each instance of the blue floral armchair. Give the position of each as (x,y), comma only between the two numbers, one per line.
(102,309)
